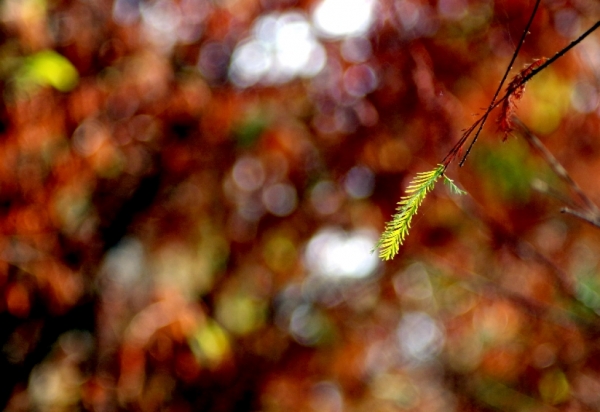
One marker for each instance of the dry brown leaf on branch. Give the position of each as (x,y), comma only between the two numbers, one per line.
(514,92)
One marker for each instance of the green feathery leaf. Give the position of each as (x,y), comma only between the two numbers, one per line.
(453,188)
(396,230)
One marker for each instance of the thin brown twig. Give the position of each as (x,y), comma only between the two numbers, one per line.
(461,142)
(542,187)
(585,216)
(504,77)
(590,213)
(519,247)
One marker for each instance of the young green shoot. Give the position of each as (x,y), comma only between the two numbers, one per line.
(396,229)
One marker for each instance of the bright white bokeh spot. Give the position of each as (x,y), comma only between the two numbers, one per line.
(165,22)
(335,253)
(342,18)
(161,15)
(124,263)
(282,47)
(419,336)
(161,20)
(294,43)
(251,60)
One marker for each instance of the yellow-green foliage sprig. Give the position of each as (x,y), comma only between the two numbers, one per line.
(396,230)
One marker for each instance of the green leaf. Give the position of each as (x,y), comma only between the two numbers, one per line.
(396,230)
(453,188)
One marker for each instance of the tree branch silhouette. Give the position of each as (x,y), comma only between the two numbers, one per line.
(590,212)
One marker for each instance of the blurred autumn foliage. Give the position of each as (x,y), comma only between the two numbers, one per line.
(190,191)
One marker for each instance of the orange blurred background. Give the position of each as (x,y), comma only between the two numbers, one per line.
(190,192)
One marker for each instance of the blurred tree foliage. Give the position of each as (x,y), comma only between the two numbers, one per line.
(190,191)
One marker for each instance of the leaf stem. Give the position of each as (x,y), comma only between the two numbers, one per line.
(499,89)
